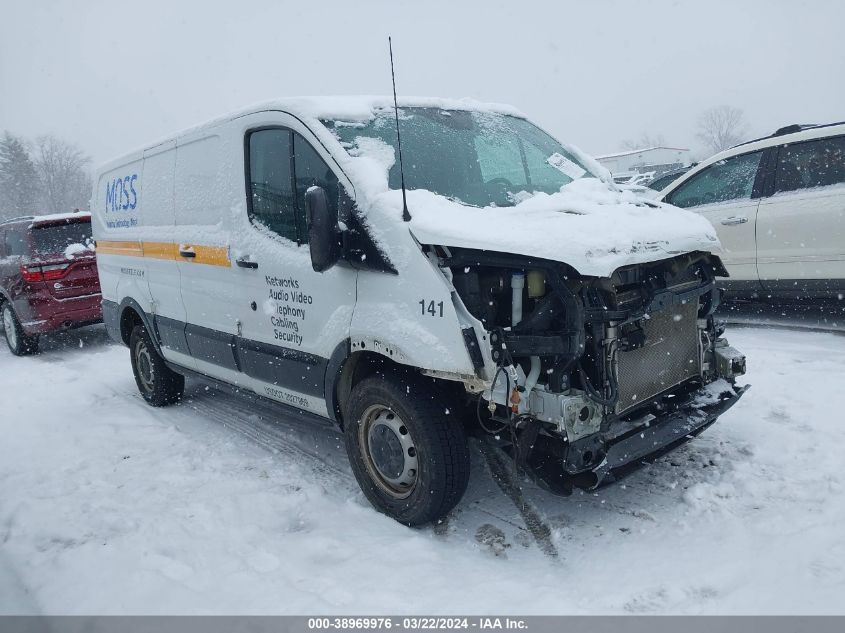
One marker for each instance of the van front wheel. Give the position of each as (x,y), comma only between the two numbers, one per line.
(159,384)
(408,453)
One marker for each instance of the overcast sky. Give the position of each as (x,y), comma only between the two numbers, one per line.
(114,75)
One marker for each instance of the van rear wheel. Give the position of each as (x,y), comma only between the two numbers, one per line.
(19,343)
(159,384)
(409,455)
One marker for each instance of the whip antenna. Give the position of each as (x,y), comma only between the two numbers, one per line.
(405,215)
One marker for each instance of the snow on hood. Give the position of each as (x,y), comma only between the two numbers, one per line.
(589,225)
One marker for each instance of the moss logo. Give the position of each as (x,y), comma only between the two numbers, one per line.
(121,194)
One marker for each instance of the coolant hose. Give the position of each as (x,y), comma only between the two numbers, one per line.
(533,375)
(594,395)
(517,284)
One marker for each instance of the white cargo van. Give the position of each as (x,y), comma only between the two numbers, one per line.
(271,250)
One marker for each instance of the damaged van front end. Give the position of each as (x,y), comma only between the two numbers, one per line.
(594,375)
(578,317)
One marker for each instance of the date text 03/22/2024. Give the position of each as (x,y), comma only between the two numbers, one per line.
(417,623)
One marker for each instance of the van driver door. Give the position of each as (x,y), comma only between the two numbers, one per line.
(294,319)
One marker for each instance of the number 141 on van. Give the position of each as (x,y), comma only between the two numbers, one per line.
(434,309)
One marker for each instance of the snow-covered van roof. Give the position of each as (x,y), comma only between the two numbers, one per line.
(347,108)
(589,224)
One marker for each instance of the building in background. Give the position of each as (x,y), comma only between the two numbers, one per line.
(649,161)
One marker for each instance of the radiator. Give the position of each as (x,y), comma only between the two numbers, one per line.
(669,357)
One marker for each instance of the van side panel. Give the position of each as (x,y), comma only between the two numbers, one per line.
(203,225)
(160,248)
(115,218)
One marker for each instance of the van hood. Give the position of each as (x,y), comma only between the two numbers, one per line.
(590,225)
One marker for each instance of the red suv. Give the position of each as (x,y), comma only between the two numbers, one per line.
(48,277)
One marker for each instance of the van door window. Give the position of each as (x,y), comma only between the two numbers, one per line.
(270,192)
(811,164)
(311,171)
(727,180)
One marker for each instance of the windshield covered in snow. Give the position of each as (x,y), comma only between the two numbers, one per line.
(477,158)
(58,238)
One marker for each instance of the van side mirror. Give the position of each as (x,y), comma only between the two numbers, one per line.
(323,231)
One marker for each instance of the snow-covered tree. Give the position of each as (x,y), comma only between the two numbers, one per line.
(721,127)
(19,180)
(65,183)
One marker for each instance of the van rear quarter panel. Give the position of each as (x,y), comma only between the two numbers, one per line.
(116,209)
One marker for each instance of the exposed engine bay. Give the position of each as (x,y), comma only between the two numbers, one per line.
(590,375)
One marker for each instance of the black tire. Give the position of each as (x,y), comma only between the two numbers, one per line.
(20,344)
(159,384)
(440,454)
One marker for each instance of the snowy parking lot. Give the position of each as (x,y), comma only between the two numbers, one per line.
(222,504)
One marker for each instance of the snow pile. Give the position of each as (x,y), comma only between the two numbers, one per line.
(712,393)
(73,250)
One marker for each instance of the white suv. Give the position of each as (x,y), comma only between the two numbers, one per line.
(778,205)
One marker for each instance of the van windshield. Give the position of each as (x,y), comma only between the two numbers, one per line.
(476,158)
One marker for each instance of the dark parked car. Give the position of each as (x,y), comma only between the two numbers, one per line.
(48,277)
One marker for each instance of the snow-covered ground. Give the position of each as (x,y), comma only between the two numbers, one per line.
(224,505)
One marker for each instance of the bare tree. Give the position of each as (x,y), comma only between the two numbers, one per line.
(645,141)
(721,127)
(19,182)
(66,184)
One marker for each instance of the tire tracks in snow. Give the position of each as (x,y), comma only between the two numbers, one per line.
(274,431)
(269,434)
(226,410)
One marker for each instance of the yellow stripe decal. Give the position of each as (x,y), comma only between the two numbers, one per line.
(212,255)
(160,250)
(209,255)
(120,248)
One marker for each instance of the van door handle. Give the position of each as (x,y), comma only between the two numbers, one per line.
(737,219)
(246,263)
(187,251)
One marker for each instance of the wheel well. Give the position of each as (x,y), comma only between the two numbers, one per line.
(363,364)
(129,318)
(358,366)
